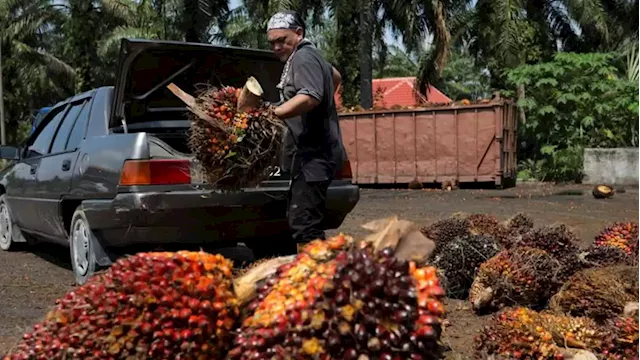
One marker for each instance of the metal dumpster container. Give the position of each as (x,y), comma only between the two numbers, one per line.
(472,143)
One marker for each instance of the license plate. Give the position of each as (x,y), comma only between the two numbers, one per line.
(198,173)
(274,171)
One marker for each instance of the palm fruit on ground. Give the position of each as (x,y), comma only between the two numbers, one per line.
(484,224)
(601,256)
(623,235)
(625,330)
(446,230)
(522,333)
(599,293)
(339,300)
(458,261)
(521,276)
(148,306)
(559,242)
(516,226)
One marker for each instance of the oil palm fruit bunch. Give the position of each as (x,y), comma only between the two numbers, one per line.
(233,144)
(520,276)
(622,235)
(599,293)
(601,256)
(484,224)
(559,242)
(446,230)
(344,300)
(516,226)
(148,306)
(625,330)
(522,333)
(459,260)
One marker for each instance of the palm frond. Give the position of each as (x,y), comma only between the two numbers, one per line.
(632,63)
(125,10)
(111,43)
(589,12)
(52,64)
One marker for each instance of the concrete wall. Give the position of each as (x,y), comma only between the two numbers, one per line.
(617,166)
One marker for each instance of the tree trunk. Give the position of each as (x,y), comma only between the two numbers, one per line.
(347,21)
(366,61)
(82,39)
(521,95)
(191,22)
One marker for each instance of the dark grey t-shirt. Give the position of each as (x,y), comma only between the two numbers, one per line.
(314,138)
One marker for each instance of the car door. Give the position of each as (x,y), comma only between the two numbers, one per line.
(15,181)
(53,178)
(37,147)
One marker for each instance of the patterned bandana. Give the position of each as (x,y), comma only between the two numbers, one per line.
(283,20)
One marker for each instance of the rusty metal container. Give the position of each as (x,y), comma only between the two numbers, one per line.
(472,143)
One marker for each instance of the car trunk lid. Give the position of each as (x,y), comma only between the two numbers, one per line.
(146,67)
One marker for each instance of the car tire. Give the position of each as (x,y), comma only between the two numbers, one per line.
(81,247)
(6,225)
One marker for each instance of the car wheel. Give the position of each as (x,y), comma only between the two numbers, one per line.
(81,242)
(6,226)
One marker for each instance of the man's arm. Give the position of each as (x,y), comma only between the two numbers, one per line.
(309,83)
(337,79)
(296,106)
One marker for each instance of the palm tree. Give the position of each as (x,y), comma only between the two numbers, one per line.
(33,76)
(199,16)
(139,19)
(416,21)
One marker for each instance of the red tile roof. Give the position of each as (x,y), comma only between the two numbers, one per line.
(400,92)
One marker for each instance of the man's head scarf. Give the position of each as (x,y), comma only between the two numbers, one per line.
(285,20)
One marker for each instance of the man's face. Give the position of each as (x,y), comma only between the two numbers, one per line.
(284,41)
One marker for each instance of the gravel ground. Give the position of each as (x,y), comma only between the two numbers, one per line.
(31,279)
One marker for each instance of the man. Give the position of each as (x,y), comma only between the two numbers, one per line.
(313,145)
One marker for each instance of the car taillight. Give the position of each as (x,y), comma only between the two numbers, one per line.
(345,171)
(155,172)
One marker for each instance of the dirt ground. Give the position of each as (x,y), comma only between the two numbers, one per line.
(32,278)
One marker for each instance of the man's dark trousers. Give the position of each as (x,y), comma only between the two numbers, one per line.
(307,209)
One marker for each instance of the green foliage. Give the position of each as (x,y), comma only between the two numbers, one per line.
(573,102)
(33,74)
(395,63)
(463,78)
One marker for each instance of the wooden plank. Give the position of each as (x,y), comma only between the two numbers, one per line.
(190,101)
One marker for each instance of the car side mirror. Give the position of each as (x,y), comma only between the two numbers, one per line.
(9,152)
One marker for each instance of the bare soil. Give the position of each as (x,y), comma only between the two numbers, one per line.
(31,279)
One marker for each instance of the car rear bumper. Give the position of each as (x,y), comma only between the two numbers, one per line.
(202,216)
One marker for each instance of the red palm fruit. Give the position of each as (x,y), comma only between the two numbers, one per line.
(622,235)
(132,317)
(625,343)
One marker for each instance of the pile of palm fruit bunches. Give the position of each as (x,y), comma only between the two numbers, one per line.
(550,299)
(338,298)
(366,299)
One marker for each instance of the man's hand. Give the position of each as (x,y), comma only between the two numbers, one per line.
(296,106)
